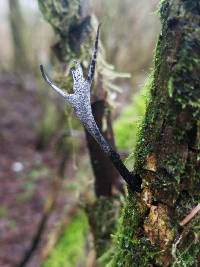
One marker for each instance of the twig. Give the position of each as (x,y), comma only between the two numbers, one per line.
(80,101)
(174,247)
(189,217)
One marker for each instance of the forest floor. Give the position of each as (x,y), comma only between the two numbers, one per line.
(26,177)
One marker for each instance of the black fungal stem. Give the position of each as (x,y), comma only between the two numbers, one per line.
(80,101)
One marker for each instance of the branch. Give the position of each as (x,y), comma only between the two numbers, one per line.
(191,215)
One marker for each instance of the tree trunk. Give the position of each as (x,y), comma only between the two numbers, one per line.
(168,151)
(17,23)
(75,28)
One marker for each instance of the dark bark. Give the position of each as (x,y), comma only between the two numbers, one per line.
(167,153)
(105,176)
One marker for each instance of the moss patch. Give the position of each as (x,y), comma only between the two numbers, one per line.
(126,126)
(102,215)
(70,248)
(131,251)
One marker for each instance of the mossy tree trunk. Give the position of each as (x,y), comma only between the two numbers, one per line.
(75,31)
(168,151)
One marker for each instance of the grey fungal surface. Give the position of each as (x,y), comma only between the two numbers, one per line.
(81,103)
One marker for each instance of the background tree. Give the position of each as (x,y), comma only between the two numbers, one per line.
(17,26)
(167,152)
(75,28)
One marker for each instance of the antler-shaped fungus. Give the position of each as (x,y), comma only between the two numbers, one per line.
(80,101)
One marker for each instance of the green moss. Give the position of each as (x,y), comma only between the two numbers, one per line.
(169,132)
(104,260)
(61,14)
(67,22)
(186,254)
(125,127)
(184,76)
(70,248)
(143,147)
(131,251)
(178,80)
(102,215)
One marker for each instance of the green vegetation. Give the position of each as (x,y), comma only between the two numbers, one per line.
(129,248)
(125,127)
(102,216)
(70,248)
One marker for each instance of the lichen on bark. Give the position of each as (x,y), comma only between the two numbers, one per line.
(167,151)
(74,30)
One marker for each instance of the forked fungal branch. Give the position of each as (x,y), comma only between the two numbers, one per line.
(80,101)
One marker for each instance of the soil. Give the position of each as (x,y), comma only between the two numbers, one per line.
(26,175)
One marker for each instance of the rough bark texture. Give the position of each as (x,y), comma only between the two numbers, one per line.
(168,151)
(75,28)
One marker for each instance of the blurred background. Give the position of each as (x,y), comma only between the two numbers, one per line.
(46,177)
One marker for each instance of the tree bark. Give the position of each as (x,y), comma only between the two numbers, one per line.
(168,151)
(105,177)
